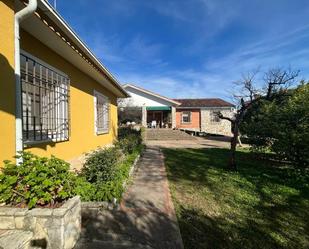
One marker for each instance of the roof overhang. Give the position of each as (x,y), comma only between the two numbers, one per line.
(173,102)
(49,27)
(158,108)
(205,107)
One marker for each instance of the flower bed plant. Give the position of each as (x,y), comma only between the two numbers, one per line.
(38,181)
(105,170)
(47,182)
(35,183)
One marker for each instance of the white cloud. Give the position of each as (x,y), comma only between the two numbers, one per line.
(141,58)
(217,76)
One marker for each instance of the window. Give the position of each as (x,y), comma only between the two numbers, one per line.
(101,103)
(45,100)
(186,117)
(214,117)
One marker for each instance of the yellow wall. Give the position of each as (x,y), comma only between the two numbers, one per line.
(7,81)
(82,132)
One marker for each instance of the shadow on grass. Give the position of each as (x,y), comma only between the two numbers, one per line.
(261,206)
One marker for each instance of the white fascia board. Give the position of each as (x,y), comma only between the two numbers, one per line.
(151,93)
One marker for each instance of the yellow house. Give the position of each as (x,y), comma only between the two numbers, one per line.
(56,98)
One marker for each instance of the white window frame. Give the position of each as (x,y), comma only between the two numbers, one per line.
(189,113)
(105,129)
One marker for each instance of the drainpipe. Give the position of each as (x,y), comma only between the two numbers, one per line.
(19,16)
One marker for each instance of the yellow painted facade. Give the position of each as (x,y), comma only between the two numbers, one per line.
(82,121)
(82,131)
(7,81)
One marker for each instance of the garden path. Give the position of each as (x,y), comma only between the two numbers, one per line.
(145,217)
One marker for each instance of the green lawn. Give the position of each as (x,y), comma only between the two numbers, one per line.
(260,206)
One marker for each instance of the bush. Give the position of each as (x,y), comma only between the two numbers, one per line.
(84,189)
(38,181)
(123,132)
(291,136)
(101,165)
(129,139)
(106,190)
(281,126)
(129,143)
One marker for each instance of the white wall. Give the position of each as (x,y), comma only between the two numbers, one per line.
(139,98)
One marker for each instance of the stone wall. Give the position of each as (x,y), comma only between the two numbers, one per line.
(55,228)
(144,116)
(223,127)
(173,117)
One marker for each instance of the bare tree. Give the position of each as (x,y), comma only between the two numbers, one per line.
(276,81)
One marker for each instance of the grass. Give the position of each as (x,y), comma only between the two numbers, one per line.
(262,205)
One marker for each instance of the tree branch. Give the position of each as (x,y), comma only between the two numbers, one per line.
(220,115)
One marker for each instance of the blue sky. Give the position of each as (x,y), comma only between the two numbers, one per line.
(192,48)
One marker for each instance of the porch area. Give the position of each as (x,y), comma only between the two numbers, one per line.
(159,117)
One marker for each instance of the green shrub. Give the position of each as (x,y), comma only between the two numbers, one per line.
(126,131)
(129,139)
(106,190)
(129,143)
(38,181)
(84,189)
(105,170)
(101,165)
(281,126)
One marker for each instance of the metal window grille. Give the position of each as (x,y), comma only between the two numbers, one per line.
(214,117)
(45,102)
(186,117)
(102,113)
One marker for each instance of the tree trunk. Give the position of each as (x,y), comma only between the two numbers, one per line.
(239,140)
(232,159)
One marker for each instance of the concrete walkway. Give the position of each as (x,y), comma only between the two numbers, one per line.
(194,143)
(145,218)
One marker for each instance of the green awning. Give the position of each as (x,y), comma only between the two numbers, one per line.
(158,108)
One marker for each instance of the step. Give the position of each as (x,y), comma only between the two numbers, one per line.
(165,134)
(15,239)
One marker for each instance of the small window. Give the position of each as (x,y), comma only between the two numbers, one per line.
(101,113)
(186,117)
(214,117)
(45,101)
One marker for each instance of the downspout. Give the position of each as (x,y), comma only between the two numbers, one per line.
(19,16)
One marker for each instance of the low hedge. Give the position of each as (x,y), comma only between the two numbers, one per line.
(105,170)
(102,165)
(110,189)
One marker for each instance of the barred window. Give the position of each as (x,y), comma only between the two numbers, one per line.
(214,118)
(45,100)
(101,113)
(186,117)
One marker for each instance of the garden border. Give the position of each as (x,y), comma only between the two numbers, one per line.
(90,205)
(55,227)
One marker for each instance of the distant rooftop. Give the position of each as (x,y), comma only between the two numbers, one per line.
(205,102)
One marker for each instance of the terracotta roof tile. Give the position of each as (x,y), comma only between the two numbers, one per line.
(203,103)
